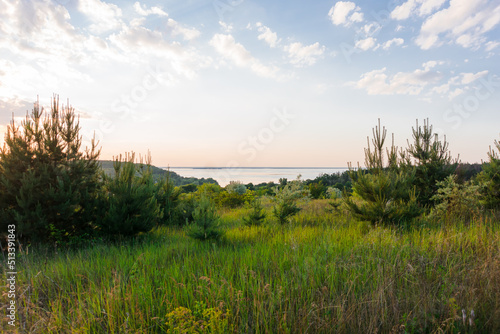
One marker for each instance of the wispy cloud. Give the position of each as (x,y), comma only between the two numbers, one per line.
(227,47)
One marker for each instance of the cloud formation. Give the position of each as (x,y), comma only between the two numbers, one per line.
(226,46)
(345,13)
(270,37)
(301,55)
(378,82)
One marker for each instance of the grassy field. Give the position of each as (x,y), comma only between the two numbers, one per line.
(324,273)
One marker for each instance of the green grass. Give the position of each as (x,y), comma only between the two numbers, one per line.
(324,273)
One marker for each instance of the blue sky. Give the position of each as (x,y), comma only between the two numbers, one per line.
(257,83)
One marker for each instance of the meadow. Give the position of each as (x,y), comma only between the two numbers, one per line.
(324,272)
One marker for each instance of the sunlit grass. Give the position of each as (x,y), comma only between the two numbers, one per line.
(322,273)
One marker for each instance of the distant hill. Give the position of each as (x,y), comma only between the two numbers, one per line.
(177,180)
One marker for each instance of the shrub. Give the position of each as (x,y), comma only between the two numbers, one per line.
(286,200)
(384,198)
(490,180)
(333,193)
(457,201)
(236,187)
(167,196)
(206,221)
(130,201)
(183,213)
(256,216)
(233,200)
(317,190)
(47,183)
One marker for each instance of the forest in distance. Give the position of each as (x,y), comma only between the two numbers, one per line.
(408,244)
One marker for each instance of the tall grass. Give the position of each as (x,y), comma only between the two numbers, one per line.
(321,274)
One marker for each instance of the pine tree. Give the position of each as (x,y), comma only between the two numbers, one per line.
(47,183)
(384,194)
(256,216)
(489,179)
(130,203)
(431,160)
(206,221)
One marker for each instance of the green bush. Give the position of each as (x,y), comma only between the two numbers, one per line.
(489,179)
(286,200)
(130,201)
(206,221)
(256,216)
(167,196)
(236,187)
(317,189)
(383,198)
(457,201)
(47,183)
(184,210)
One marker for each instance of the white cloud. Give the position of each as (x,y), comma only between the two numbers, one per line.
(142,45)
(455,93)
(226,46)
(420,7)
(394,41)
(464,22)
(377,82)
(271,38)
(105,16)
(458,84)
(339,13)
(467,78)
(187,33)
(402,12)
(366,44)
(301,55)
(431,64)
(491,45)
(146,12)
(428,6)
(226,27)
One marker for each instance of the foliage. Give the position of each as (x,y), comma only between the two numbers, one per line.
(209,189)
(183,213)
(338,180)
(46,182)
(384,195)
(189,188)
(202,320)
(131,203)
(206,221)
(383,198)
(431,160)
(167,197)
(490,180)
(333,193)
(317,190)
(236,187)
(286,198)
(457,201)
(233,199)
(256,216)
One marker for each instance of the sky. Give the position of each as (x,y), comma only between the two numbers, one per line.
(237,83)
